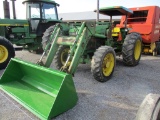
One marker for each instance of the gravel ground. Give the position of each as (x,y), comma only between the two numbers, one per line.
(116,99)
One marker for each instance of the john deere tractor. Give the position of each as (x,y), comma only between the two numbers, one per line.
(47,92)
(95,43)
(40,15)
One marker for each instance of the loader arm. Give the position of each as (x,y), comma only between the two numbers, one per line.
(77,44)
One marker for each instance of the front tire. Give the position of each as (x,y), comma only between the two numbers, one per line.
(132,49)
(61,56)
(103,63)
(6,52)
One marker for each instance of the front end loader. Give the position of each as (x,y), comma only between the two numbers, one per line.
(47,92)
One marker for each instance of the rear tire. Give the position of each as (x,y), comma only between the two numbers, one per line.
(132,49)
(61,56)
(46,36)
(103,63)
(149,108)
(6,52)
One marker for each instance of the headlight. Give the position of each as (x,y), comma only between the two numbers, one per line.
(11,36)
(22,36)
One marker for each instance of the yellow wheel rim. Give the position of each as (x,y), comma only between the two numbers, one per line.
(137,50)
(108,64)
(64,56)
(3,53)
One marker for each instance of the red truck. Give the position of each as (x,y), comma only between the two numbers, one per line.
(146,21)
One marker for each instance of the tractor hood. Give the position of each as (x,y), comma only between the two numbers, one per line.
(11,22)
(115,11)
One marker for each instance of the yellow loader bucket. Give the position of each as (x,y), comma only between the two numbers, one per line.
(45,92)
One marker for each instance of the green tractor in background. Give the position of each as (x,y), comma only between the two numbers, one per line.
(40,15)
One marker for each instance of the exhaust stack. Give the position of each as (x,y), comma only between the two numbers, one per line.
(97,10)
(6,9)
(14,10)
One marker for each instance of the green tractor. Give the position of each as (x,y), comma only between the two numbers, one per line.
(95,43)
(69,44)
(40,15)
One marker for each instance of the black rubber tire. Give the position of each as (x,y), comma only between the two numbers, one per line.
(149,108)
(57,58)
(128,49)
(158,47)
(38,51)
(46,36)
(10,49)
(97,63)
